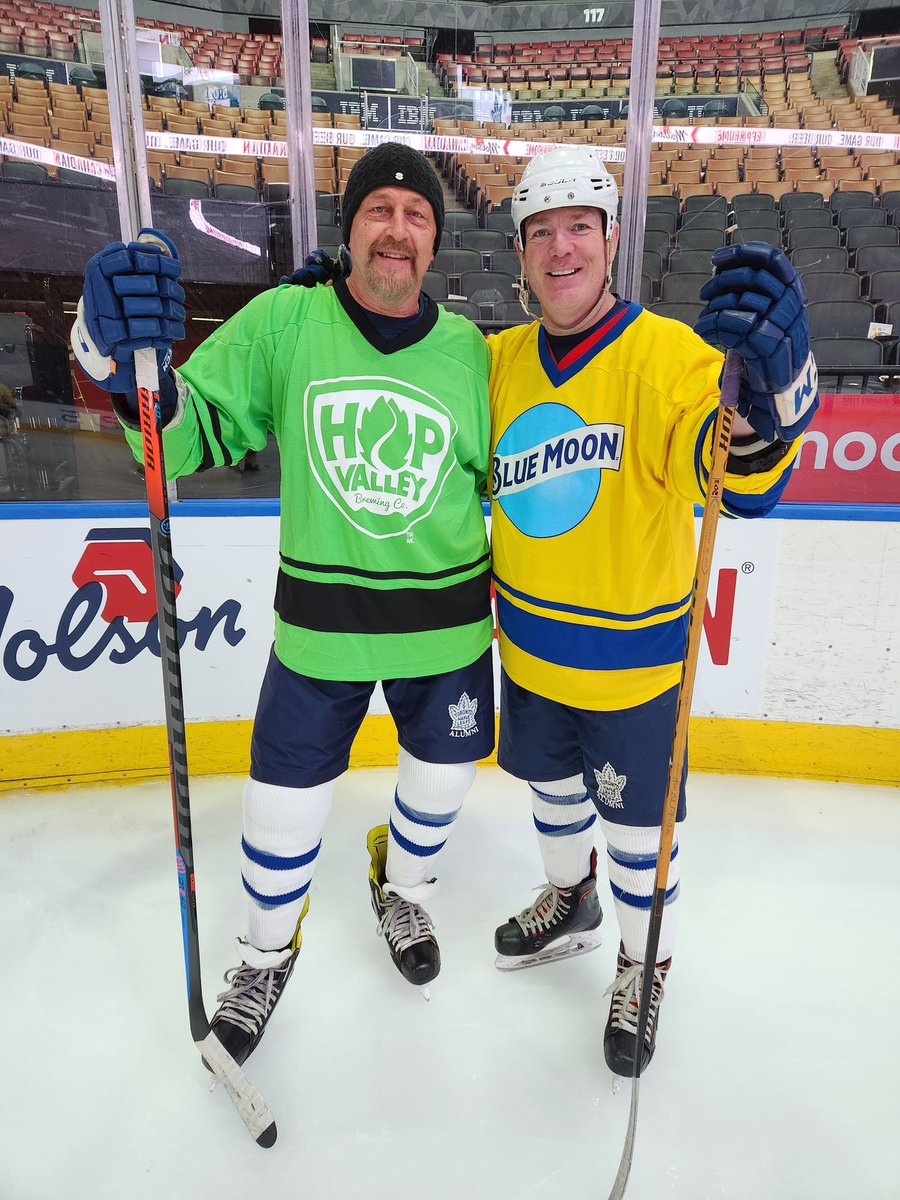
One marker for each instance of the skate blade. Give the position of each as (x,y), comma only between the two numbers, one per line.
(581,943)
(425,991)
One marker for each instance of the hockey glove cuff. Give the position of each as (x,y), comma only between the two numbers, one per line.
(319,267)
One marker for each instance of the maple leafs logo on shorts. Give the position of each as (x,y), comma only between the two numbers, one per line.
(462,714)
(610,786)
(381,450)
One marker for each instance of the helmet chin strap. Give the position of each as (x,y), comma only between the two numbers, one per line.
(525,296)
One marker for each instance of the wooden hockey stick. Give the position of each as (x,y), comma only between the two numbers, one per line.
(721,441)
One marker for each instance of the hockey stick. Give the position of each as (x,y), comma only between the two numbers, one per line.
(721,440)
(246,1099)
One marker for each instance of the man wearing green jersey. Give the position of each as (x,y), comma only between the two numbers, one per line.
(378,402)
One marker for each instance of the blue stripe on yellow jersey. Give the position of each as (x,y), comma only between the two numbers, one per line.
(597,462)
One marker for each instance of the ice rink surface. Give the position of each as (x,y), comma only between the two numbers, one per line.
(777,1073)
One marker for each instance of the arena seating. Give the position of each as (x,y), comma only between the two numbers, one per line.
(601,67)
(836,213)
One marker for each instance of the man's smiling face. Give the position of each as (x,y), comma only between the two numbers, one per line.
(391,247)
(566,258)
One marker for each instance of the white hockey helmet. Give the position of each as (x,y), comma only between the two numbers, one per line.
(568,177)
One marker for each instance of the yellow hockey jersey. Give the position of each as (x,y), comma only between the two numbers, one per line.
(597,462)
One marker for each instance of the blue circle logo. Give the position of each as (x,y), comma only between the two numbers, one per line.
(547,468)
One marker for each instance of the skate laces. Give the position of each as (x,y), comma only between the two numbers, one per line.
(251,996)
(626,993)
(404,923)
(553,902)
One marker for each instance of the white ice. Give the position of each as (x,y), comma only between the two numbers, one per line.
(777,1073)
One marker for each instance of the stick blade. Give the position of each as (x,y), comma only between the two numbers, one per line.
(621,1180)
(251,1107)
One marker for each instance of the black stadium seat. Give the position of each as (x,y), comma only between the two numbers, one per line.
(682,286)
(831,285)
(793,200)
(808,218)
(759,218)
(689,238)
(820,258)
(464,307)
(884,287)
(690,260)
(841,200)
(877,258)
(488,287)
(853,218)
(872,235)
(713,218)
(436,285)
(801,238)
(840,318)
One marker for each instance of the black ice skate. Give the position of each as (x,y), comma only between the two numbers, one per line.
(405,924)
(561,923)
(620,1035)
(255,987)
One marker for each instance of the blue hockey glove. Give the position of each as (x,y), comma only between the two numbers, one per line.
(132,300)
(321,268)
(755,304)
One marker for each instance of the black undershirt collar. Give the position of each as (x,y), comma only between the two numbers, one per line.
(388,334)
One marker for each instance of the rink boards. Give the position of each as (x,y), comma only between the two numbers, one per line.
(797,674)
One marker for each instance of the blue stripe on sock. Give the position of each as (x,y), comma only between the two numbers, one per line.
(275,901)
(634,901)
(574,798)
(275,862)
(564,830)
(412,847)
(636,862)
(417,817)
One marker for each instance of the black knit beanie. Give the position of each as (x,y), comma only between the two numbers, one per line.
(392,165)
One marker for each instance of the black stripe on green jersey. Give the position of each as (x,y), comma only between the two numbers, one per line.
(319,568)
(211,438)
(350,608)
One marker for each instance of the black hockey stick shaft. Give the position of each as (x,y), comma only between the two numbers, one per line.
(170,661)
(721,441)
(252,1108)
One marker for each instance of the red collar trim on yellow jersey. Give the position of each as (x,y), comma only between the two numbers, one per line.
(615,323)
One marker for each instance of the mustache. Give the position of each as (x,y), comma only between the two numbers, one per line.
(389,246)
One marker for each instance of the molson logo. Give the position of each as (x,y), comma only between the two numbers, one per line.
(112,614)
(380,449)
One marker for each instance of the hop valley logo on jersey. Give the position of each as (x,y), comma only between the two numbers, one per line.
(380,449)
(548,466)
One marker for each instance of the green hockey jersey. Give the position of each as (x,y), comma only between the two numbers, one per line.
(384,562)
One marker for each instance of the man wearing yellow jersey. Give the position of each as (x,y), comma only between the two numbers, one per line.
(601,428)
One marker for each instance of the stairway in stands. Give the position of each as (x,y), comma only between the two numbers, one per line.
(825,77)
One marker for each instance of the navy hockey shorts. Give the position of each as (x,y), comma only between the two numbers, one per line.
(304,727)
(623,756)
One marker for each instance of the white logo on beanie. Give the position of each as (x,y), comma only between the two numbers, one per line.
(398,174)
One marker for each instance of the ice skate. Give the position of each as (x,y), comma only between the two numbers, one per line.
(562,923)
(255,987)
(404,924)
(620,1034)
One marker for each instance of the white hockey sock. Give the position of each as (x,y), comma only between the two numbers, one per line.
(564,817)
(426,803)
(632,852)
(282,836)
